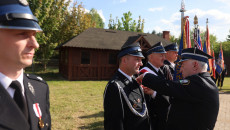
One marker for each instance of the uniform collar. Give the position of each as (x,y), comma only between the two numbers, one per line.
(157,69)
(127,76)
(204,74)
(6,81)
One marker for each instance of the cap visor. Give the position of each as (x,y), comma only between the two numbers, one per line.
(21,24)
(138,54)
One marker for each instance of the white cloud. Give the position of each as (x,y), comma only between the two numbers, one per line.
(100,12)
(219,22)
(213,14)
(155,9)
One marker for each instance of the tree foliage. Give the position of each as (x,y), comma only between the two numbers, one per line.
(96,20)
(126,23)
(60,21)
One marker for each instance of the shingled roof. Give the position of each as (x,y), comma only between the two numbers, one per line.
(98,38)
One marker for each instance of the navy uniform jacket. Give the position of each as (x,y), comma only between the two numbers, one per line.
(124,107)
(195,102)
(158,107)
(11,117)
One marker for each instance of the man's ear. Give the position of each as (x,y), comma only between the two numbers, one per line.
(195,65)
(124,59)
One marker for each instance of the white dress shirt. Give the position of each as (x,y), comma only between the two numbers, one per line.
(127,76)
(6,81)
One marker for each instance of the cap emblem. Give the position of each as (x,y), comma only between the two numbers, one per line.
(23,2)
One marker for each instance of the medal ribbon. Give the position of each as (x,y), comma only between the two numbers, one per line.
(37,110)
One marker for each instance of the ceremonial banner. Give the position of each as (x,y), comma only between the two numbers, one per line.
(197,39)
(177,74)
(187,33)
(213,65)
(220,62)
(185,42)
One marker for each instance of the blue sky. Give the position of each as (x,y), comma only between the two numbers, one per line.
(161,15)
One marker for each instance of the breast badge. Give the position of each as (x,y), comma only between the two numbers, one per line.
(185,82)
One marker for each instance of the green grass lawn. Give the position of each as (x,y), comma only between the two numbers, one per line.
(79,104)
(76,104)
(226,85)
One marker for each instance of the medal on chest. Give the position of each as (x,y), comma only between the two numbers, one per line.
(38,113)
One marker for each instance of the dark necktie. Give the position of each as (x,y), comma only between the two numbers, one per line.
(18,97)
(160,73)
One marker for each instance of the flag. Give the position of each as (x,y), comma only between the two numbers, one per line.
(177,75)
(185,42)
(187,33)
(208,51)
(197,39)
(213,65)
(220,62)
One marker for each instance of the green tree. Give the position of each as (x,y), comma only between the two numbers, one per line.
(174,39)
(142,25)
(96,19)
(133,26)
(111,24)
(58,24)
(126,19)
(126,23)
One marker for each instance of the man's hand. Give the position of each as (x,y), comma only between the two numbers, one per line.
(139,78)
(148,90)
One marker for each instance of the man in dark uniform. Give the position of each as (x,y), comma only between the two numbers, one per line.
(171,57)
(221,77)
(157,103)
(195,102)
(124,103)
(24,98)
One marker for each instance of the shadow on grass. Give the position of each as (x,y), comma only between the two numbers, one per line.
(51,76)
(99,114)
(224,91)
(95,125)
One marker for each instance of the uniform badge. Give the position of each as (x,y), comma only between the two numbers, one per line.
(40,78)
(134,105)
(31,88)
(185,82)
(127,82)
(23,2)
(38,113)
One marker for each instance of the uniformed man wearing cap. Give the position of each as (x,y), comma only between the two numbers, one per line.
(171,57)
(24,98)
(124,103)
(157,104)
(195,102)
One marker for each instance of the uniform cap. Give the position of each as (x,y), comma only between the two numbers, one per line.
(131,49)
(195,54)
(171,47)
(16,14)
(157,48)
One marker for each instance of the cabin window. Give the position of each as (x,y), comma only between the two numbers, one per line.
(113,58)
(85,57)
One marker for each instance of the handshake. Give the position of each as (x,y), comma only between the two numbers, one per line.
(139,81)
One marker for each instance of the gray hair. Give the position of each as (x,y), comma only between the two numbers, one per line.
(203,66)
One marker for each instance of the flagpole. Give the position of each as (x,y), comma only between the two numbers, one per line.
(182,10)
(195,35)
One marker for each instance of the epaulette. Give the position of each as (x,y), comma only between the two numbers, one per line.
(35,77)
